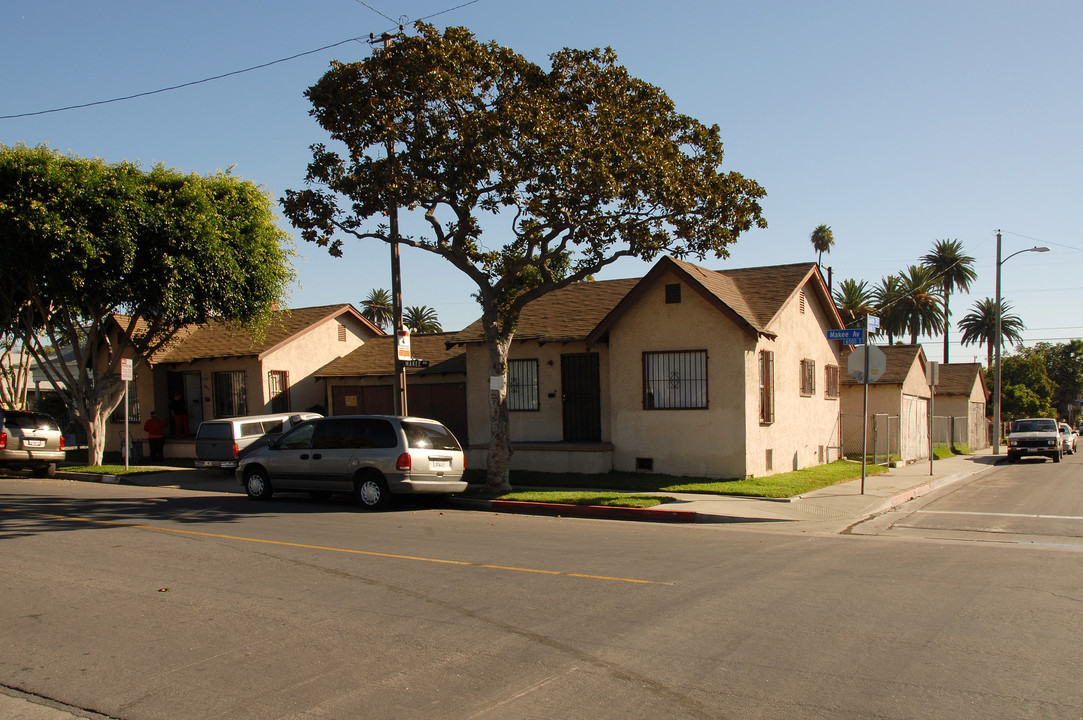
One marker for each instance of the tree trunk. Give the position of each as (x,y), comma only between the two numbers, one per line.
(498,462)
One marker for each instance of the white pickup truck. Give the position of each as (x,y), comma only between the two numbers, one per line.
(1035,436)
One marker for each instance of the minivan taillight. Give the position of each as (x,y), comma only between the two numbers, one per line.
(3,440)
(236,451)
(61,442)
(403,463)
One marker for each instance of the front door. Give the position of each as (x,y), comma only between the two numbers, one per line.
(581,392)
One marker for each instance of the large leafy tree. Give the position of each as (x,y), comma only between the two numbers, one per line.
(1027,389)
(918,303)
(980,326)
(822,240)
(1064,365)
(378,308)
(527,178)
(109,260)
(954,270)
(855,299)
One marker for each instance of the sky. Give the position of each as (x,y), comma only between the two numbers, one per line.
(895,123)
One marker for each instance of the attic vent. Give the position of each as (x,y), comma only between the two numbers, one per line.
(673,294)
(802,302)
(342,333)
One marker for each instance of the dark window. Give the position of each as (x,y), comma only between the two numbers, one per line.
(429,436)
(300,438)
(808,377)
(673,294)
(230,396)
(522,385)
(278,388)
(675,380)
(831,381)
(133,411)
(767,387)
(215,431)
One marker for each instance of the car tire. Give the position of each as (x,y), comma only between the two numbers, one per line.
(1013,458)
(257,484)
(1056,458)
(45,471)
(371,491)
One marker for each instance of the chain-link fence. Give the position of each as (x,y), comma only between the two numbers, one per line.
(884,437)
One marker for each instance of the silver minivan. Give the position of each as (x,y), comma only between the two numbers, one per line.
(370,456)
(223,442)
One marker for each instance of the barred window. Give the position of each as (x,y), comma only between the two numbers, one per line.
(808,377)
(133,410)
(278,389)
(831,381)
(767,387)
(675,380)
(230,395)
(522,385)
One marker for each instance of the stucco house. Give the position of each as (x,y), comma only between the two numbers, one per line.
(686,371)
(898,418)
(962,396)
(363,381)
(220,370)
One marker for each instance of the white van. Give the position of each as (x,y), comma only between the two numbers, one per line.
(221,443)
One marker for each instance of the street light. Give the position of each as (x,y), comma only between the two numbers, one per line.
(996,343)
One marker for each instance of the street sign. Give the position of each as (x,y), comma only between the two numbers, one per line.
(126,370)
(403,344)
(877,363)
(873,322)
(850,336)
(415,363)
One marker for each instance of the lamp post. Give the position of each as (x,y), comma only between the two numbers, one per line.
(996,343)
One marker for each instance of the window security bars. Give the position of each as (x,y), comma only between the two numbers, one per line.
(675,380)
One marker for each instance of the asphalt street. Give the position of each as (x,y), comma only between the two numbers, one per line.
(165,602)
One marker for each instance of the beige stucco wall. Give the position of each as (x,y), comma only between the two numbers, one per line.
(806,428)
(547,423)
(701,442)
(303,357)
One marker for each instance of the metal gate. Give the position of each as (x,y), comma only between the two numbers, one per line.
(581,393)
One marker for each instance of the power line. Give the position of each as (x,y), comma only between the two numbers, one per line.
(147,93)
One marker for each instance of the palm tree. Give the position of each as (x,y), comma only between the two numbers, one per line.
(888,298)
(980,326)
(379,308)
(855,300)
(822,240)
(954,270)
(422,320)
(922,311)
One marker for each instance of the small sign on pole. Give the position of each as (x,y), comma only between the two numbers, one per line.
(404,344)
(127,375)
(850,336)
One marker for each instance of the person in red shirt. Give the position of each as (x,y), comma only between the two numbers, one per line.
(155,428)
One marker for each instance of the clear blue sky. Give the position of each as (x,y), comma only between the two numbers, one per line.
(896,123)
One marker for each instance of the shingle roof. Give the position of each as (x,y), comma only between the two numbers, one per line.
(900,358)
(959,378)
(377,357)
(219,339)
(563,315)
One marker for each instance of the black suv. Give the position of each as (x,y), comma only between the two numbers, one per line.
(30,440)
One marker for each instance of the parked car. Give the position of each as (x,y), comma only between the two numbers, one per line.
(370,456)
(30,440)
(223,442)
(1068,438)
(1035,436)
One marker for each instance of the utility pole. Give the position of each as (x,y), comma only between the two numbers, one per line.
(396,272)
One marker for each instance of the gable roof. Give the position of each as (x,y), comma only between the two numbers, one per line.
(219,339)
(564,315)
(751,297)
(959,379)
(900,360)
(377,358)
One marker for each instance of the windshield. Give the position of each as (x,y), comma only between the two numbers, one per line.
(1034,426)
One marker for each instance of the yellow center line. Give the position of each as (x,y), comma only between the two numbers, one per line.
(369,553)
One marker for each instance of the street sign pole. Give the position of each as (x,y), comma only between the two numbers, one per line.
(865,411)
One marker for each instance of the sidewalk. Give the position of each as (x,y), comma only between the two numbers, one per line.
(829,509)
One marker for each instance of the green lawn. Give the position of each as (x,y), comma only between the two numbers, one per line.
(775,486)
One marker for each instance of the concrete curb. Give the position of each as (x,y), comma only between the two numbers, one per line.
(584,511)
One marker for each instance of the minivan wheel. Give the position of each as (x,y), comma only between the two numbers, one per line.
(257,484)
(372,492)
(45,471)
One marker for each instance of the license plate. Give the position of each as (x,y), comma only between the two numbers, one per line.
(440,463)
(32,442)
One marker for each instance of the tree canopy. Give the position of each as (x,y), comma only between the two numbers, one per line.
(86,241)
(579,165)
(954,270)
